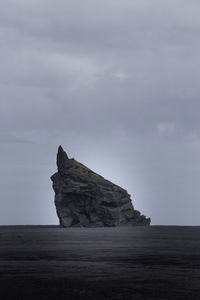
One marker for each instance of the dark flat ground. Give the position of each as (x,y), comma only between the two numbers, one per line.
(157,262)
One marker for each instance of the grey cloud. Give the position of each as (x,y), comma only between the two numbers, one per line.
(8,138)
(114,82)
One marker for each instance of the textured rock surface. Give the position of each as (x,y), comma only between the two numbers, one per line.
(84,198)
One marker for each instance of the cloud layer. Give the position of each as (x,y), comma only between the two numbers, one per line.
(117,84)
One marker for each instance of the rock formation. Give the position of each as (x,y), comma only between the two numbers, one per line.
(85,199)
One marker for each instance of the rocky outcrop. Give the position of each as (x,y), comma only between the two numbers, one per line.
(84,198)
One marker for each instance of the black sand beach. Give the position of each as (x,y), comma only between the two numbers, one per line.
(157,262)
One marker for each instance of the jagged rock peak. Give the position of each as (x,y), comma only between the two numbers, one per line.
(62,160)
(85,199)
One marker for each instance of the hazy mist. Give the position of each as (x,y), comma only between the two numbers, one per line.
(116,83)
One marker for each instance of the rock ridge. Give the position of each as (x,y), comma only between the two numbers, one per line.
(85,199)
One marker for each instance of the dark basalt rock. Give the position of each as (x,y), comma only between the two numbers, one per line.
(84,198)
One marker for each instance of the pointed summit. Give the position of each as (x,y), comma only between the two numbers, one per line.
(62,160)
(60,150)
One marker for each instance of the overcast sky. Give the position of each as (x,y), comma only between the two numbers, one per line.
(117,84)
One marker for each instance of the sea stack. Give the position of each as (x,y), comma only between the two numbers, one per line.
(85,199)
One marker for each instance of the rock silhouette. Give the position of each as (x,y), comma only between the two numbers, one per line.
(85,199)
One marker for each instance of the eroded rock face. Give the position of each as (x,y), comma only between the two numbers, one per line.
(84,198)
